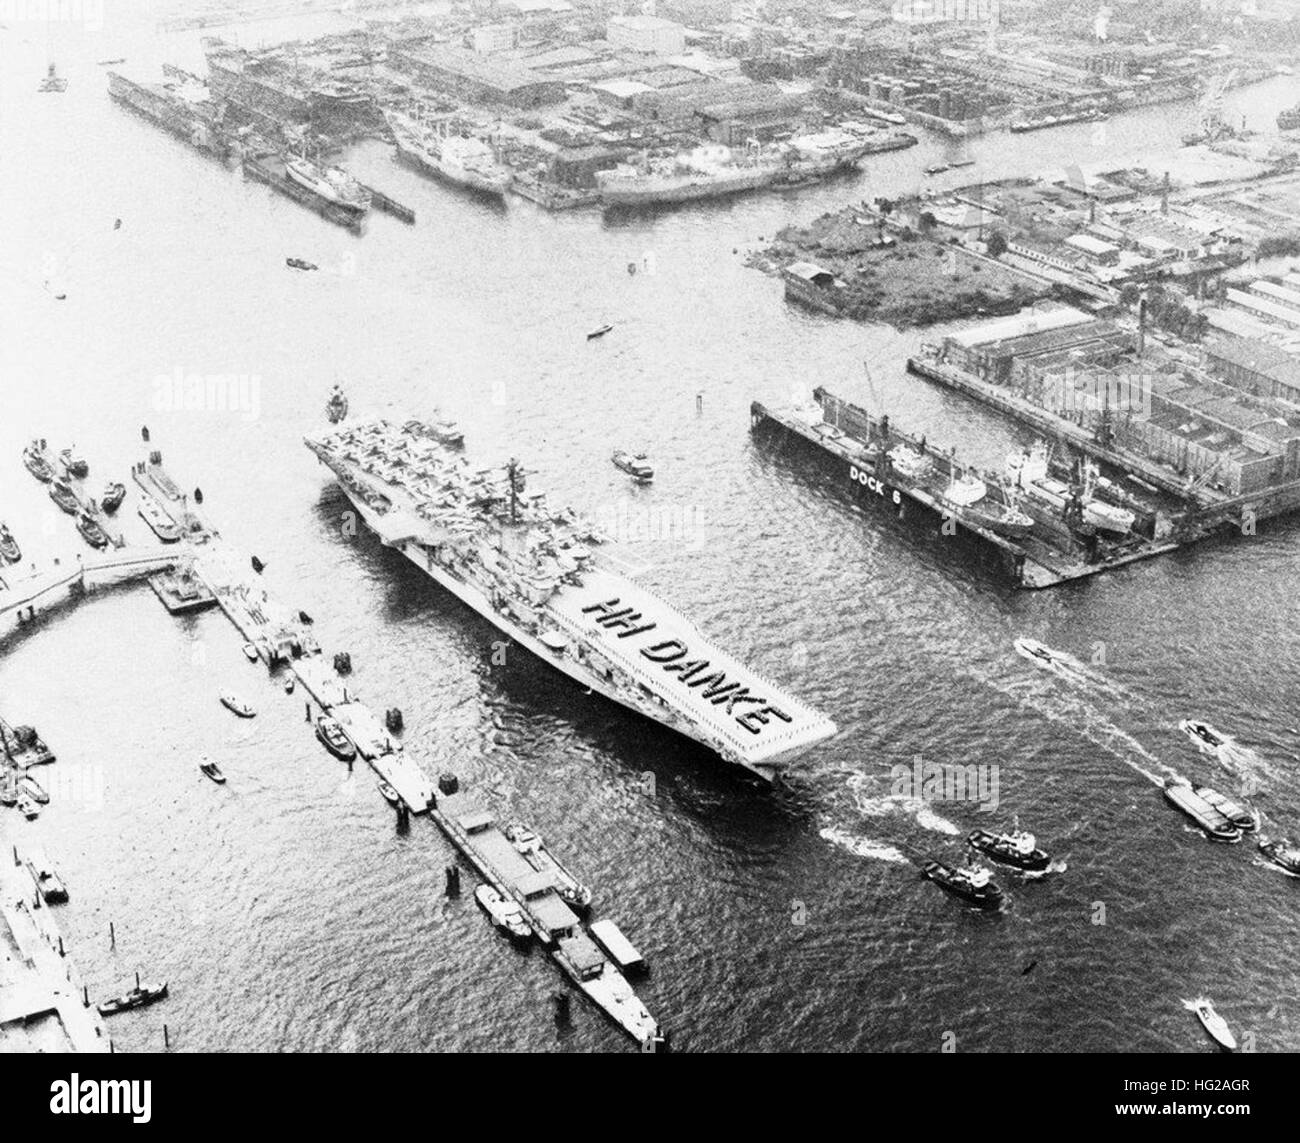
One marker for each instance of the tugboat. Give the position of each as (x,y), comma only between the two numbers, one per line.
(113,495)
(331,736)
(1283,854)
(634,464)
(336,408)
(91,531)
(233,703)
(1017,849)
(1212,1022)
(506,914)
(1213,821)
(213,771)
(74,464)
(973,884)
(9,549)
(1245,820)
(62,495)
(138,997)
(37,461)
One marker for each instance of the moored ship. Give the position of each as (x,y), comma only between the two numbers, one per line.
(332,184)
(537,574)
(180,103)
(464,161)
(1028,472)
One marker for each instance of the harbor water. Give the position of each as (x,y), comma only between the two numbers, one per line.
(287,912)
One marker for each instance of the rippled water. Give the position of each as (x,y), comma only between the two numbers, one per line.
(284,908)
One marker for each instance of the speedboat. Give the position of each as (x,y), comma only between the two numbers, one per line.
(1203,734)
(213,771)
(1245,820)
(1212,1022)
(1283,854)
(37,461)
(74,464)
(330,733)
(9,549)
(634,464)
(1037,653)
(1017,848)
(62,495)
(973,884)
(91,531)
(506,914)
(111,498)
(233,703)
(1215,823)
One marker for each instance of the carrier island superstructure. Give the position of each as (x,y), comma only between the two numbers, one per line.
(546,578)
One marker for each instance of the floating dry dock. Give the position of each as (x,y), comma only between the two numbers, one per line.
(856,448)
(474,832)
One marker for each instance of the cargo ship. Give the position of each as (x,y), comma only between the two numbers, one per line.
(332,185)
(712,172)
(1028,472)
(550,580)
(461,160)
(1037,123)
(180,104)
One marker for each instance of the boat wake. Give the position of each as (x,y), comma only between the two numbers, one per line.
(1058,865)
(863,846)
(878,806)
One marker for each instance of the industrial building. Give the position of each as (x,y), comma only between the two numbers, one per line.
(476,78)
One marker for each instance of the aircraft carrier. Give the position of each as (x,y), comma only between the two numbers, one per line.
(549,580)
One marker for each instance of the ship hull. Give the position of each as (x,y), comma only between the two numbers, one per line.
(768,769)
(172,114)
(425,163)
(649,194)
(322,190)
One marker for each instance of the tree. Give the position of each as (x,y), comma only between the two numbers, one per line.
(996,244)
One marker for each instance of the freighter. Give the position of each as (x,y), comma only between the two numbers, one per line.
(332,184)
(710,172)
(540,575)
(457,159)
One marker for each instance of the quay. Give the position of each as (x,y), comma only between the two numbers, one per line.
(854,445)
(390,205)
(44,1004)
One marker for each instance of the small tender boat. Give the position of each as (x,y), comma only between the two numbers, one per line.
(391,796)
(1212,1022)
(250,652)
(1245,820)
(1017,849)
(91,530)
(634,464)
(233,703)
(74,464)
(506,914)
(1216,824)
(213,771)
(62,495)
(595,333)
(973,884)
(1203,734)
(138,997)
(9,549)
(111,498)
(28,807)
(300,264)
(37,461)
(1283,854)
(331,736)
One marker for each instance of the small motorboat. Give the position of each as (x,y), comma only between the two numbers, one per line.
(1212,1022)
(634,464)
(937,168)
(506,914)
(91,530)
(257,565)
(331,736)
(251,652)
(1017,849)
(27,807)
(289,684)
(973,884)
(336,408)
(74,464)
(1283,854)
(1244,819)
(1042,656)
(37,461)
(111,498)
(303,617)
(393,720)
(391,796)
(595,333)
(62,495)
(1203,734)
(213,771)
(138,997)
(300,264)
(9,549)
(233,703)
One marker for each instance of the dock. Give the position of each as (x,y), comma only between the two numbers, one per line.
(390,205)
